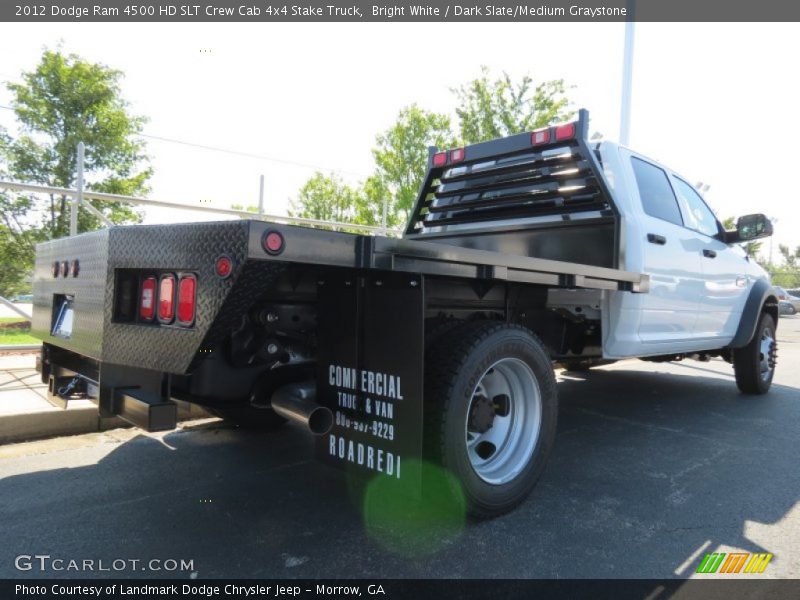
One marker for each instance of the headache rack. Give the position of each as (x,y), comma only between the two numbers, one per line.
(548,180)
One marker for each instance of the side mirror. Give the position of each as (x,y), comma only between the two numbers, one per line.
(749,228)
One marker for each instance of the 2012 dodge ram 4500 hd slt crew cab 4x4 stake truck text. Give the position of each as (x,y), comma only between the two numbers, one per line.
(521,252)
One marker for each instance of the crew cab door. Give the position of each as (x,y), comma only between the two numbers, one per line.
(672,257)
(724,268)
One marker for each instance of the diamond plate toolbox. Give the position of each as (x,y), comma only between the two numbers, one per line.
(221,302)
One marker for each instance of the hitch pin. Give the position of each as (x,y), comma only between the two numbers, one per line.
(65,391)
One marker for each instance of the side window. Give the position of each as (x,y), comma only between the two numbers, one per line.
(695,212)
(658,199)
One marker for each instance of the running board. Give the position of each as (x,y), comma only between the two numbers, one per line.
(146,411)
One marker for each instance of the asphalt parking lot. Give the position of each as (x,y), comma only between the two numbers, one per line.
(654,465)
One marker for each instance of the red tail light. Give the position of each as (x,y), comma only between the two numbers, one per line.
(541,136)
(187,287)
(147,301)
(272,242)
(166,299)
(565,132)
(440,159)
(223,266)
(457,155)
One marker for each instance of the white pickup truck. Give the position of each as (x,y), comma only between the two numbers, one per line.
(521,253)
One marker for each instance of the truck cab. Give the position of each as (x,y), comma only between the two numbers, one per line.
(699,283)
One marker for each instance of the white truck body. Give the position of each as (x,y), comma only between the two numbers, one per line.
(698,283)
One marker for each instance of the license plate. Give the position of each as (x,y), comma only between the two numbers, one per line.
(64,317)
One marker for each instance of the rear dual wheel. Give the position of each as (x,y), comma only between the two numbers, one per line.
(491,412)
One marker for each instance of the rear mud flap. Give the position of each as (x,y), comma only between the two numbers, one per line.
(370,374)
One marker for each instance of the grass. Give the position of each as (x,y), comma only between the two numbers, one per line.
(17,337)
(14,336)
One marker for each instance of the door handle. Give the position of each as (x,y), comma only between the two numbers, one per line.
(654,238)
(709,253)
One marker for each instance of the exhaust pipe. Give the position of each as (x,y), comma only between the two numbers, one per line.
(295,402)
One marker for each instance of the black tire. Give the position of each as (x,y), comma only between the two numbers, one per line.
(750,362)
(437,327)
(454,367)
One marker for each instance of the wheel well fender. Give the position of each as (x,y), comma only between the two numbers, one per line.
(761,299)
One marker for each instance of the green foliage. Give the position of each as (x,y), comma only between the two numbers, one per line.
(787,275)
(326,198)
(401,156)
(751,248)
(492,108)
(250,208)
(17,337)
(486,109)
(790,257)
(62,101)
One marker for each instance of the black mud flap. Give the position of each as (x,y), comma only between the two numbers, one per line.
(370,374)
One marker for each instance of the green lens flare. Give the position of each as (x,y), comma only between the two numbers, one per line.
(402,522)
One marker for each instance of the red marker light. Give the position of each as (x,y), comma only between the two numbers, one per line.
(440,159)
(56,268)
(273,242)
(223,266)
(147,301)
(565,132)
(457,155)
(541,136)
(166,298)
(186,299)
(64,268)
(75,268)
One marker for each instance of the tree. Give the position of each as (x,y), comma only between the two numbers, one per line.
(789,257)
(63,101)
(326,198)
(492,108)
(751,248)
(401,157)
(486,109)
(787,275)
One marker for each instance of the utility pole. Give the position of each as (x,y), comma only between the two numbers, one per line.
(77,199)
(261,196)
(772,237)
(627,80)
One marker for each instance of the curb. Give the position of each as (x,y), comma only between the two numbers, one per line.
(25,427)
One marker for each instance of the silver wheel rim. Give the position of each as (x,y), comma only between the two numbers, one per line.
(767,352)
(503,421)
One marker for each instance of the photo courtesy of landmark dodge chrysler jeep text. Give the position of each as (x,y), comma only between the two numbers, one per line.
(521,252)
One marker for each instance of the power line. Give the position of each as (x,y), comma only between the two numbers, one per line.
(246,154)
(238,152)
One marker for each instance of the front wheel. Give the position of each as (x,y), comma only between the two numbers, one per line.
(754,365)
(491,412)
